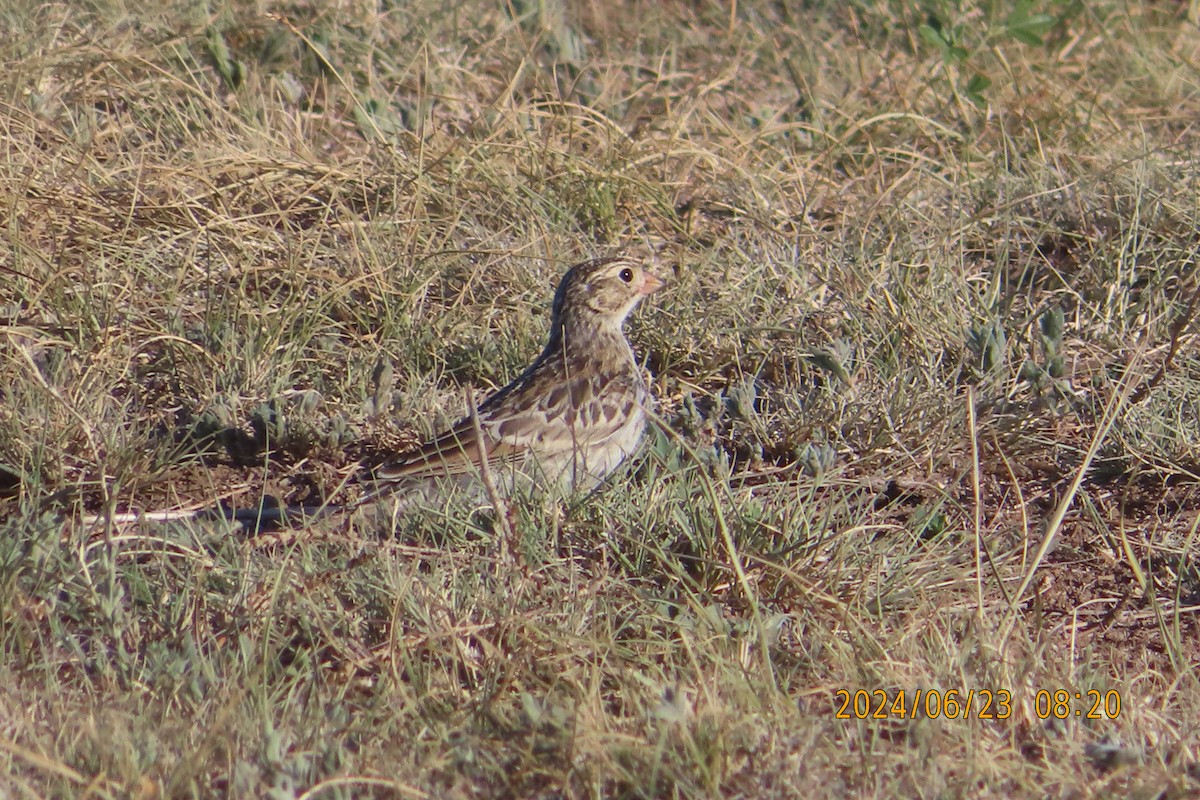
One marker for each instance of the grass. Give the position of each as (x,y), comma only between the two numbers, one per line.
(926,375)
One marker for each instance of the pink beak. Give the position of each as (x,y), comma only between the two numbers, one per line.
(650,284)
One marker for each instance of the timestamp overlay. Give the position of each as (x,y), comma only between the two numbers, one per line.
(977,703)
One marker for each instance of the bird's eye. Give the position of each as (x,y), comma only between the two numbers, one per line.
(626,275)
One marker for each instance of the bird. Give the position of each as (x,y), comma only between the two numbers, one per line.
(567,421)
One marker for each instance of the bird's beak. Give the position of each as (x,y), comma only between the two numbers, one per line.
(650,284)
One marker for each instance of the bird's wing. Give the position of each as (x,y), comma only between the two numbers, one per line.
(578,414)
(453,453)
(572,415)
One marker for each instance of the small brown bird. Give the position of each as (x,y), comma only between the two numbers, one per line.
(568,420)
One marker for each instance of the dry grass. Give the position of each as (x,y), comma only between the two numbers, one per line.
(247,246)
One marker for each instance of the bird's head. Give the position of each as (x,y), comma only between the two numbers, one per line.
(600,294)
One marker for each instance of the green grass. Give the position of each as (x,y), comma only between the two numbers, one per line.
(246,247)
